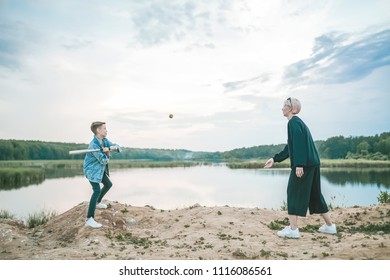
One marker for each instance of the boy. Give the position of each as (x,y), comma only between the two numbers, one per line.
(96,170)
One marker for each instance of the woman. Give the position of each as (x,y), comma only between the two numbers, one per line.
(304,186)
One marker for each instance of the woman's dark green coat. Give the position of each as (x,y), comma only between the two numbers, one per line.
(305,192)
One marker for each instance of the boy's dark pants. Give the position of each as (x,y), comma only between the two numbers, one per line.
(98,194)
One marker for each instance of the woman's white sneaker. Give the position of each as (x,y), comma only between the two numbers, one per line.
(289,233)
(328,229)
(92,223)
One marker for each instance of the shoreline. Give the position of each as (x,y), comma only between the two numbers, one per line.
(128,163)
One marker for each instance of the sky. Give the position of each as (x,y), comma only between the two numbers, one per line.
(223,68)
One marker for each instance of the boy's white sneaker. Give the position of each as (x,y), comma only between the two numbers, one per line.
(92,223)
(101,206)
(328,229)
(289,233)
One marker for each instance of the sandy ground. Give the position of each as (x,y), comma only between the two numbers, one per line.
(197,232)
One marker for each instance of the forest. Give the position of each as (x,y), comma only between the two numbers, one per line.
(375,147)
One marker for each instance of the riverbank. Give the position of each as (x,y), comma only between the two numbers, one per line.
(325,163)
(197,232)
(122,163)
(78,164)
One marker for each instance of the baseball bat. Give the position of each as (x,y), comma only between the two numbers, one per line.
(80,152)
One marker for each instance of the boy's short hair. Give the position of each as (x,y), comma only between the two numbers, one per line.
(95,126)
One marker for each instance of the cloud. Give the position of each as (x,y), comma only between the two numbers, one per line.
(200,45)
(159,22)
(76,43)
(338,58)
(10,45)
(238,85)
(18,41)
(216,65)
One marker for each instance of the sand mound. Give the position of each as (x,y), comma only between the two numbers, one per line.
(197,232)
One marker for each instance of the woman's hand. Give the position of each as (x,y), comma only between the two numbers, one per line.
(269,163)
(299,172)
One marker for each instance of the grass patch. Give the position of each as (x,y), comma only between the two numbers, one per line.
(4,214)
(355,163)
(309,228)
(124,210)
(278,224)
(135,240)
(223,236)
(283,207)
(256,164)
(265,254)
(328,163)
(150,164)
(40,218)
(370,228)
(283,254)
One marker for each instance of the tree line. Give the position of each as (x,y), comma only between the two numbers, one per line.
(368,147)
(375,147)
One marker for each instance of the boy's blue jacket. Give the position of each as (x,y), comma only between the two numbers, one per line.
(95,163)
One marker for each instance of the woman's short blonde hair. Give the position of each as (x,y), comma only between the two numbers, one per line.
(294,104)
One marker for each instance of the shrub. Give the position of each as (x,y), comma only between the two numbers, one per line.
(384,197)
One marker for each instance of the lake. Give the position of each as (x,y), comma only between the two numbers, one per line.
(208,185)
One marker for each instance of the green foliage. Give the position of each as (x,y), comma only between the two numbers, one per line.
(284,206)
(11,177)
(34,150)
(384,197)
(265,254)
(278,224)
(149,164)
(328,163)
(263,151)
(257,164)
(372,148)
(309,228)
(275,225)
(4,214)
(129,238)
(363,147)
(371,228)
(40,218)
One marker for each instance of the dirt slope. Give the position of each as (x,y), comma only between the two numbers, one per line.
(197,232)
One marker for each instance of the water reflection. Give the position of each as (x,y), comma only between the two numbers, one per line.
(18,178)
(342,177)
(170,188)
(10,183)
(52,173)
(23,178)
(338,176)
